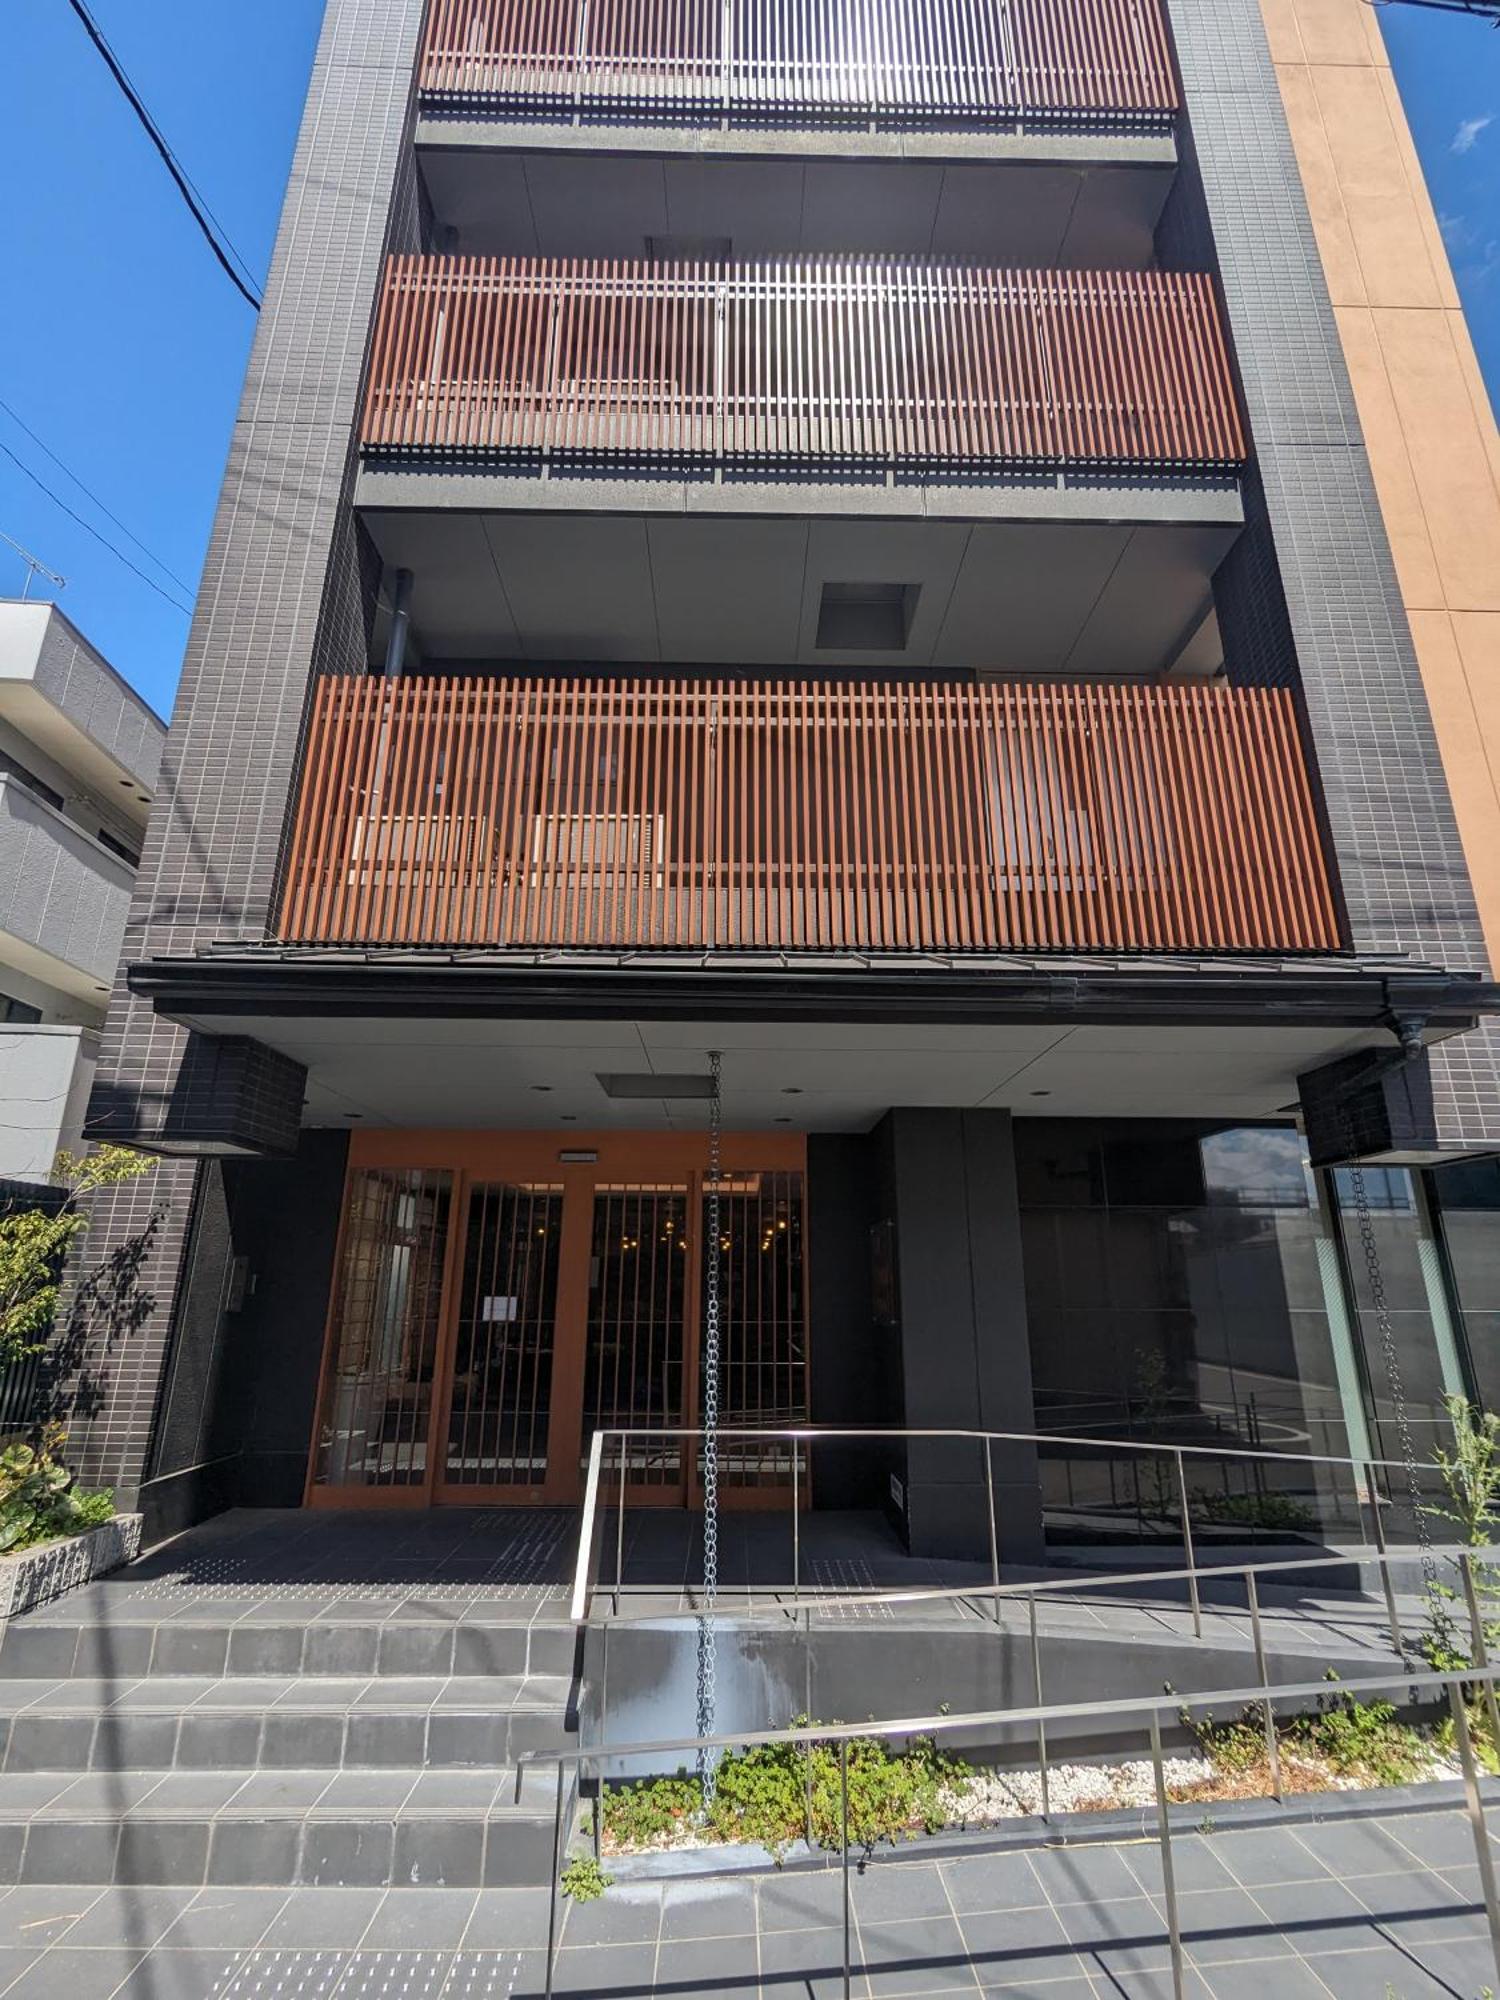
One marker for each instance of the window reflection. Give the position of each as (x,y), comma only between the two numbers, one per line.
(1174,1297)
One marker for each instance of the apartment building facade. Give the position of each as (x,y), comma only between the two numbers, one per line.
(854,548)
(79,757)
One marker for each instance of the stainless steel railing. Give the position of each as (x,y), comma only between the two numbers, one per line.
(1150,1708)
(611,1447)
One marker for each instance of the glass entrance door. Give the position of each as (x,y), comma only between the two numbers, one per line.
(503,1299)
(498,1382)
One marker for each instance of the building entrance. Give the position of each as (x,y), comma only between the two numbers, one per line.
(499,1297)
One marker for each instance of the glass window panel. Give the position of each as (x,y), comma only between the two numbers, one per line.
(1194,1322)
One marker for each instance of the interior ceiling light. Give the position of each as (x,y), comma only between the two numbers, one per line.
(646,1083)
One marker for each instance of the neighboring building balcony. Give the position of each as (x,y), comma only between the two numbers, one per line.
(904,62)
(64,900)
(697,462)
(815,368)
(685,815)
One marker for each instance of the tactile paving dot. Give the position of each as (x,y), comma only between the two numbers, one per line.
(846,1574)
(483,1975)
(285,1975)
(395,1975)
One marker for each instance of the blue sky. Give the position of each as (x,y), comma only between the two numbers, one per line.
(122,346)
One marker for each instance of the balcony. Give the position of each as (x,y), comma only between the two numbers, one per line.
(799,367)
(905,62)
(63,908)
(805,817)
(674,463)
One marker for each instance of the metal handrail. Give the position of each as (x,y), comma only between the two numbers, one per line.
(1069,1586)
(585,1570)
(1151,1707)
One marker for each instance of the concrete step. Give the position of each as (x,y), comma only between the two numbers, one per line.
(171,1722)
(280,1829)
(53,1645)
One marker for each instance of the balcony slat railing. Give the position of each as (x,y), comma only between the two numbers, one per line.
(907,61)
(809,364)
(805,816)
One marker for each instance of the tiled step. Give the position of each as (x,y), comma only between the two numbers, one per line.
(49,1646)
(167,1722)
(282,1829)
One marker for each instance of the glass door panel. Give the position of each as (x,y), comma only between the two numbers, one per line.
(763,1359)
(499,1411)
(377,1398)
(633,1362)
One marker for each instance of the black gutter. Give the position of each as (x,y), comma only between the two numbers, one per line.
(1343,994)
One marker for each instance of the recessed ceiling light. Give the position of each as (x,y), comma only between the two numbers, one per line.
(570,1117)
(354,1114)
(1041,1093)
(544,1088)
(791,1090)
(782,1121)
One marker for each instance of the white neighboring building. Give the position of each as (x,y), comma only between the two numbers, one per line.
(79,757)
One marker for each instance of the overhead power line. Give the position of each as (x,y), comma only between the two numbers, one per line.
(89,529)
(69,473)
(223,250)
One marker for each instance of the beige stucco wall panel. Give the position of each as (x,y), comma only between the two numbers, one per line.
(1395,250)
(1423,406)
(1395,481)
(1453,471)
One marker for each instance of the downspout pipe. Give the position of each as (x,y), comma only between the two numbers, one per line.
(395,645)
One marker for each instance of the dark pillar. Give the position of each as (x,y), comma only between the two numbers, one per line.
(850,1383)
(960,1309)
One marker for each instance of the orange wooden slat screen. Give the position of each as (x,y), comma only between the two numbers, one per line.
(906,59)
(806,815)
(805,362)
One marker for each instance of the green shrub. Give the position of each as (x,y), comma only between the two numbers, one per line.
(776,1793)
(38,1499)
(583,1880)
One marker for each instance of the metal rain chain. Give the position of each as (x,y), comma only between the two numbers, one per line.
(708,1760)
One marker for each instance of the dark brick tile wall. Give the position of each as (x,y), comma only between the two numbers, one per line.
(286,594)
(1405,884)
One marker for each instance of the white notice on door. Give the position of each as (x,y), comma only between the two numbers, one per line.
(499,1310)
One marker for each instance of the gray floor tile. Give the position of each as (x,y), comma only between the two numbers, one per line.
(126,1917)
(61,1974)
(629,1914)
(14,1962)
(1271,1855)
(708,1965)
(421,1919)
(694,1909)
(924,1955)
(181,1975)
(806,1965)
(887,1891)
(800,1902)
(993,1882)
(613,1970)
(321,1919)
(1083,1874)
(43,1913)
(227,1919)
(507,1919)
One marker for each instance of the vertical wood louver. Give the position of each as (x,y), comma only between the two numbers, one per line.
(804,815)
(800,363)
(907,60)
